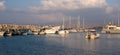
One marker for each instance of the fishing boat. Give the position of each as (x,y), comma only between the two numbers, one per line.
(92,35)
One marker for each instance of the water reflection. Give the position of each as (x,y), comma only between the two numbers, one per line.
(57,35)
(52,44)
(92,45)
(110,36)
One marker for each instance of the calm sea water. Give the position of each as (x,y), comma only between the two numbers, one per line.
(71,44)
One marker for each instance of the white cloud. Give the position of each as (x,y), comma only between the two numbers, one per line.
(2,5)
(68,4)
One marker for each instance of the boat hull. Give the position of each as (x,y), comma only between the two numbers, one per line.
(92,36)
(112,32)
(63,32)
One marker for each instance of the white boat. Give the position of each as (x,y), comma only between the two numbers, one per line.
(24,33)
(110,28)
(41,33)
(35,32)
(73,30)
(52,30)
(2,33)
(92,35)
(8,33)
(63,32)
(29,32)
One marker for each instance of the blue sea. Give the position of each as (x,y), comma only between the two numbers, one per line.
(52,44)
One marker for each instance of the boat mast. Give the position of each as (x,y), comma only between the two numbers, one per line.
(70,22)
(78,23)
(83,23)
(118,19)
(63,24)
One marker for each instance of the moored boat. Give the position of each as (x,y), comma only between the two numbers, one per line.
(92,35)
(52,30)
(63,32)
(7,33)
(110,28)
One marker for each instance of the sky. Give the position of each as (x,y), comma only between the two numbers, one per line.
(51,12)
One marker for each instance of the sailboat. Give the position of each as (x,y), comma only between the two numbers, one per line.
(78,25)
(63,31)
(71,29)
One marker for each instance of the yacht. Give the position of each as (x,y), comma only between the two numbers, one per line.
(63,31)
(52,30)
(110,28)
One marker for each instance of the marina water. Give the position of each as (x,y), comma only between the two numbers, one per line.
(52,44)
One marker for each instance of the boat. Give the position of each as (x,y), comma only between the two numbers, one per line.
(24,33)
(91,30)
(8,33)
(92,35)
(41,33)
(35,32)
(52,30)
(73,30)
(111,29)
(63,31)
(2,33)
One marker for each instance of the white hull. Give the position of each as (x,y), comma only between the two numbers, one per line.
(42,33)
(73,30)
(9,34)
(63,32)
(92,36)
(24,33)
(35,33)
(112,29)
(50,31)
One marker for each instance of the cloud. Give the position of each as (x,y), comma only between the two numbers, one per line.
(113,8)
(68,4)
(2,5)
(50,10)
